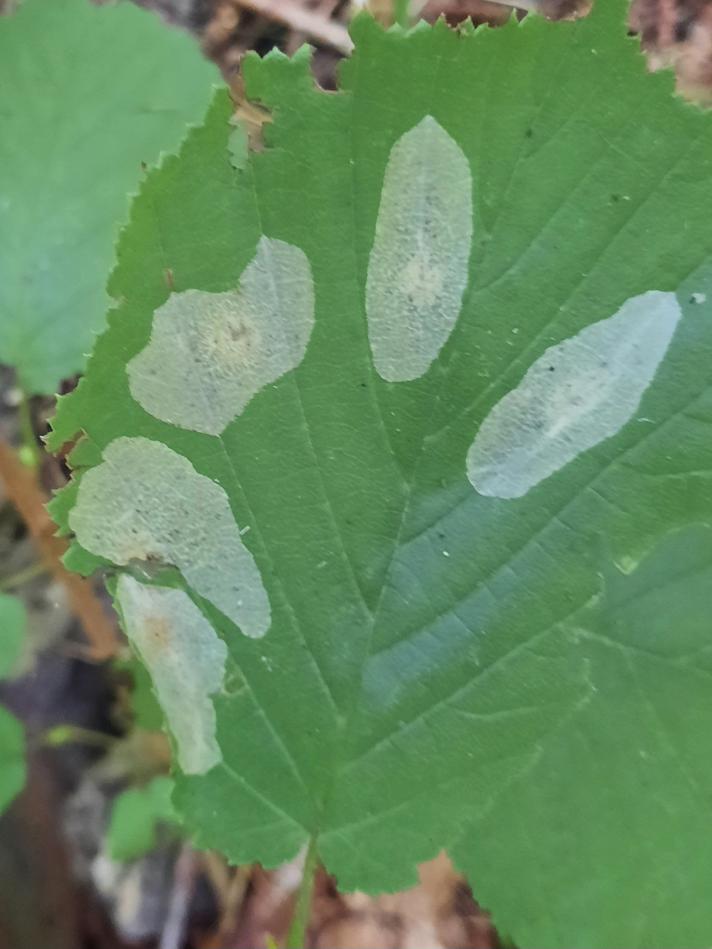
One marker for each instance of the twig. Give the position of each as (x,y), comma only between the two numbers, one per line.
(302,20)
(323,9)
(21,577)
(173,935)
(25,494)
(230,891)
(531,6)
(234,900)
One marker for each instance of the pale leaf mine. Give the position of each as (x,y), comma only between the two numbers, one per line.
(145,502)
(418,267)
(574,396)
(186,661)
(210,353)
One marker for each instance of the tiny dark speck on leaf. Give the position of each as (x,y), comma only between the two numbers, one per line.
(615,198)
(529,133)
(552,368)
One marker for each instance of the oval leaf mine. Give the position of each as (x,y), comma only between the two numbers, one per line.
(146,502)
(210,353)
(418,267)
(574,396)
(186,660)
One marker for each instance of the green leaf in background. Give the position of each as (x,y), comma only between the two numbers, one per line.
(88,96)
(135,816)
(13,770)
(13,621)
(12,743)
(487,579)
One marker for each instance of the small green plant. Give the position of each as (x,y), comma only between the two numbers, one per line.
(136,815)
(404,476)
(12,741)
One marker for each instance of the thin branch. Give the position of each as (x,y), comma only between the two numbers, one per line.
(236,897)
(531,6)
(21,577)
(25,494)
(313,24)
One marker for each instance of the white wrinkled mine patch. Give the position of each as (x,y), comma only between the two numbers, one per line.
(577,394)
(210,353)
(186,660)
(418,268)
(146,502)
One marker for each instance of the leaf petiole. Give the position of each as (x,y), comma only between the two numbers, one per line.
(302,909)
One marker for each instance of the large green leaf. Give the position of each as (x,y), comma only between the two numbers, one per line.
(87,95)
(516,671)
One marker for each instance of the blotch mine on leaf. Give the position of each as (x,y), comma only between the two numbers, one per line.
(574,396)
(186,661)
(418,268)
(210,353)
(146,502)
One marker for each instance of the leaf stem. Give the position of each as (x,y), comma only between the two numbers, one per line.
(302,910)
(401,13)
(23,490)
(60,735)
